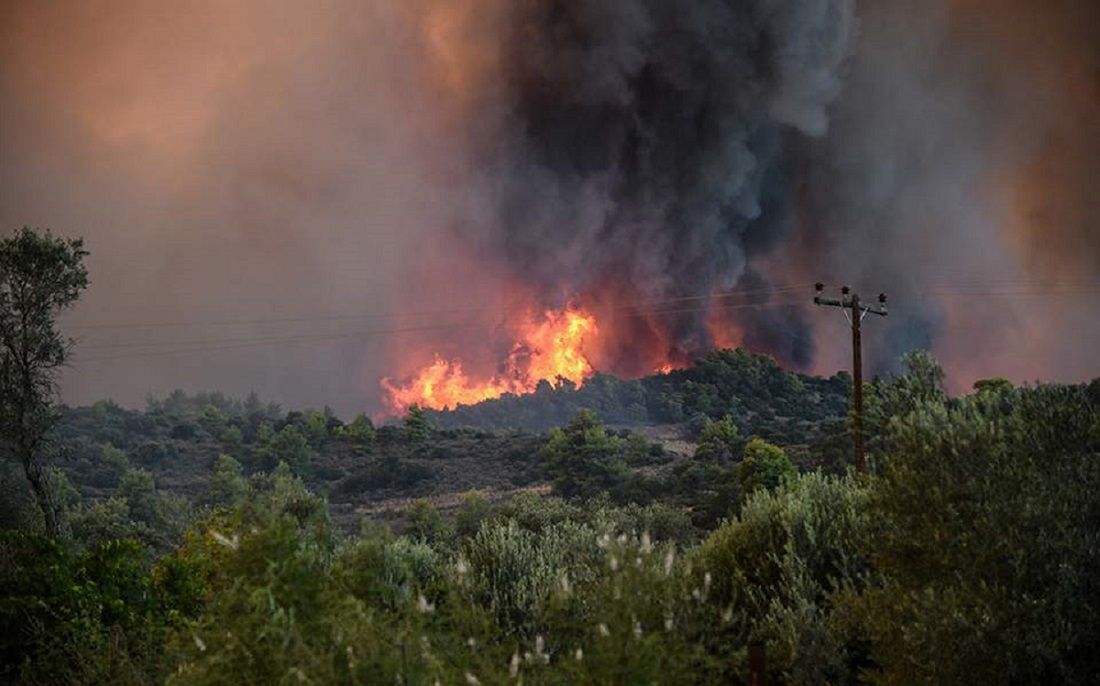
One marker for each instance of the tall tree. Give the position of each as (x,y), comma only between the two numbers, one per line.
(40,275)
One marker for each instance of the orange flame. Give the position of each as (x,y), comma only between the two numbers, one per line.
(551,349)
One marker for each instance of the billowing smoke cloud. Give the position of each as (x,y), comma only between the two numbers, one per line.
(268,171)
(639,146)
(956,176)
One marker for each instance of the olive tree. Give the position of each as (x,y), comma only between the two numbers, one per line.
(40,275)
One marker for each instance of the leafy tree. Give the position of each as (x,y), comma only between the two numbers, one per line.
(213,420)
(417,428)
(425,523)
(291,447)
(227,486)
(763,466)
(988,545)
(316,428)
(784,564)
(114,461)
(233,440)
(40,275)
(473,510)
(360,432)
(997,384)
(719,441)
(583,459)
(138,489)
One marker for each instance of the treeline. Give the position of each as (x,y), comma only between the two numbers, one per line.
(969,555)
(762,397)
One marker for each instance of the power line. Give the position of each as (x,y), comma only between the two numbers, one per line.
(231,344)
(715,302)
(429,313)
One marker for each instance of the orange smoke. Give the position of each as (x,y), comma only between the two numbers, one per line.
(549,349)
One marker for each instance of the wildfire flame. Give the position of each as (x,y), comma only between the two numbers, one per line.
(550,348)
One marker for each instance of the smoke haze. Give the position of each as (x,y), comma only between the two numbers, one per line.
(266,173)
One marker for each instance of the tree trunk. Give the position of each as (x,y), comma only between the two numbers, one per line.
(37,479)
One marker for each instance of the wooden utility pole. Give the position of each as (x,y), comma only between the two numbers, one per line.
(850,301)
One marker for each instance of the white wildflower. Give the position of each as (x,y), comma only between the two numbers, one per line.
(638,562)
(604,630)
(461,567)
(647,543)
(603,540)
(221,538)
(622,539)
(578,654)
(423,606)
(668,622)
(707,579)
(566,587)
(472,680)
(637,629)
(513,666)
(472,642)
(200,644)
(670,557)
(727,615)
(614,562)
(540,651)
(696,594)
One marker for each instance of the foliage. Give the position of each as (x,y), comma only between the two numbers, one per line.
(417,428)
(719,441)
(40,276)
(782,562)
(289,446)
(359,432)
(765,398)
(96,617)
(425,523)
(227,487)
(583,459)
(988,547)
(473,510)
(763,466)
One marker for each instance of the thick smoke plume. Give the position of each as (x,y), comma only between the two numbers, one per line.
(257,178)
(639,148)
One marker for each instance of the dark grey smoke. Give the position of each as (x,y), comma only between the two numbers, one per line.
(644,143)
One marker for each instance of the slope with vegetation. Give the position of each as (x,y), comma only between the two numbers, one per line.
(210,541)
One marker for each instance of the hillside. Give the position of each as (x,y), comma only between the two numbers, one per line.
(495,447)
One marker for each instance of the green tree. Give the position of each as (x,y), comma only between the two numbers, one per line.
(40,275)
(232,440)
(997,384)
(227,486)
(473,510)
(114,461)
(291,447)
(316,428)
(425,522)
(987,542)
(583,459)
(360,432)
(417,428)
(763,466)
(719,441)
(212,420)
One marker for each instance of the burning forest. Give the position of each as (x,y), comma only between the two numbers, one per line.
(549,342)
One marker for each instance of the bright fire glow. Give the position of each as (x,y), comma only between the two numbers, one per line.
(550,349)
